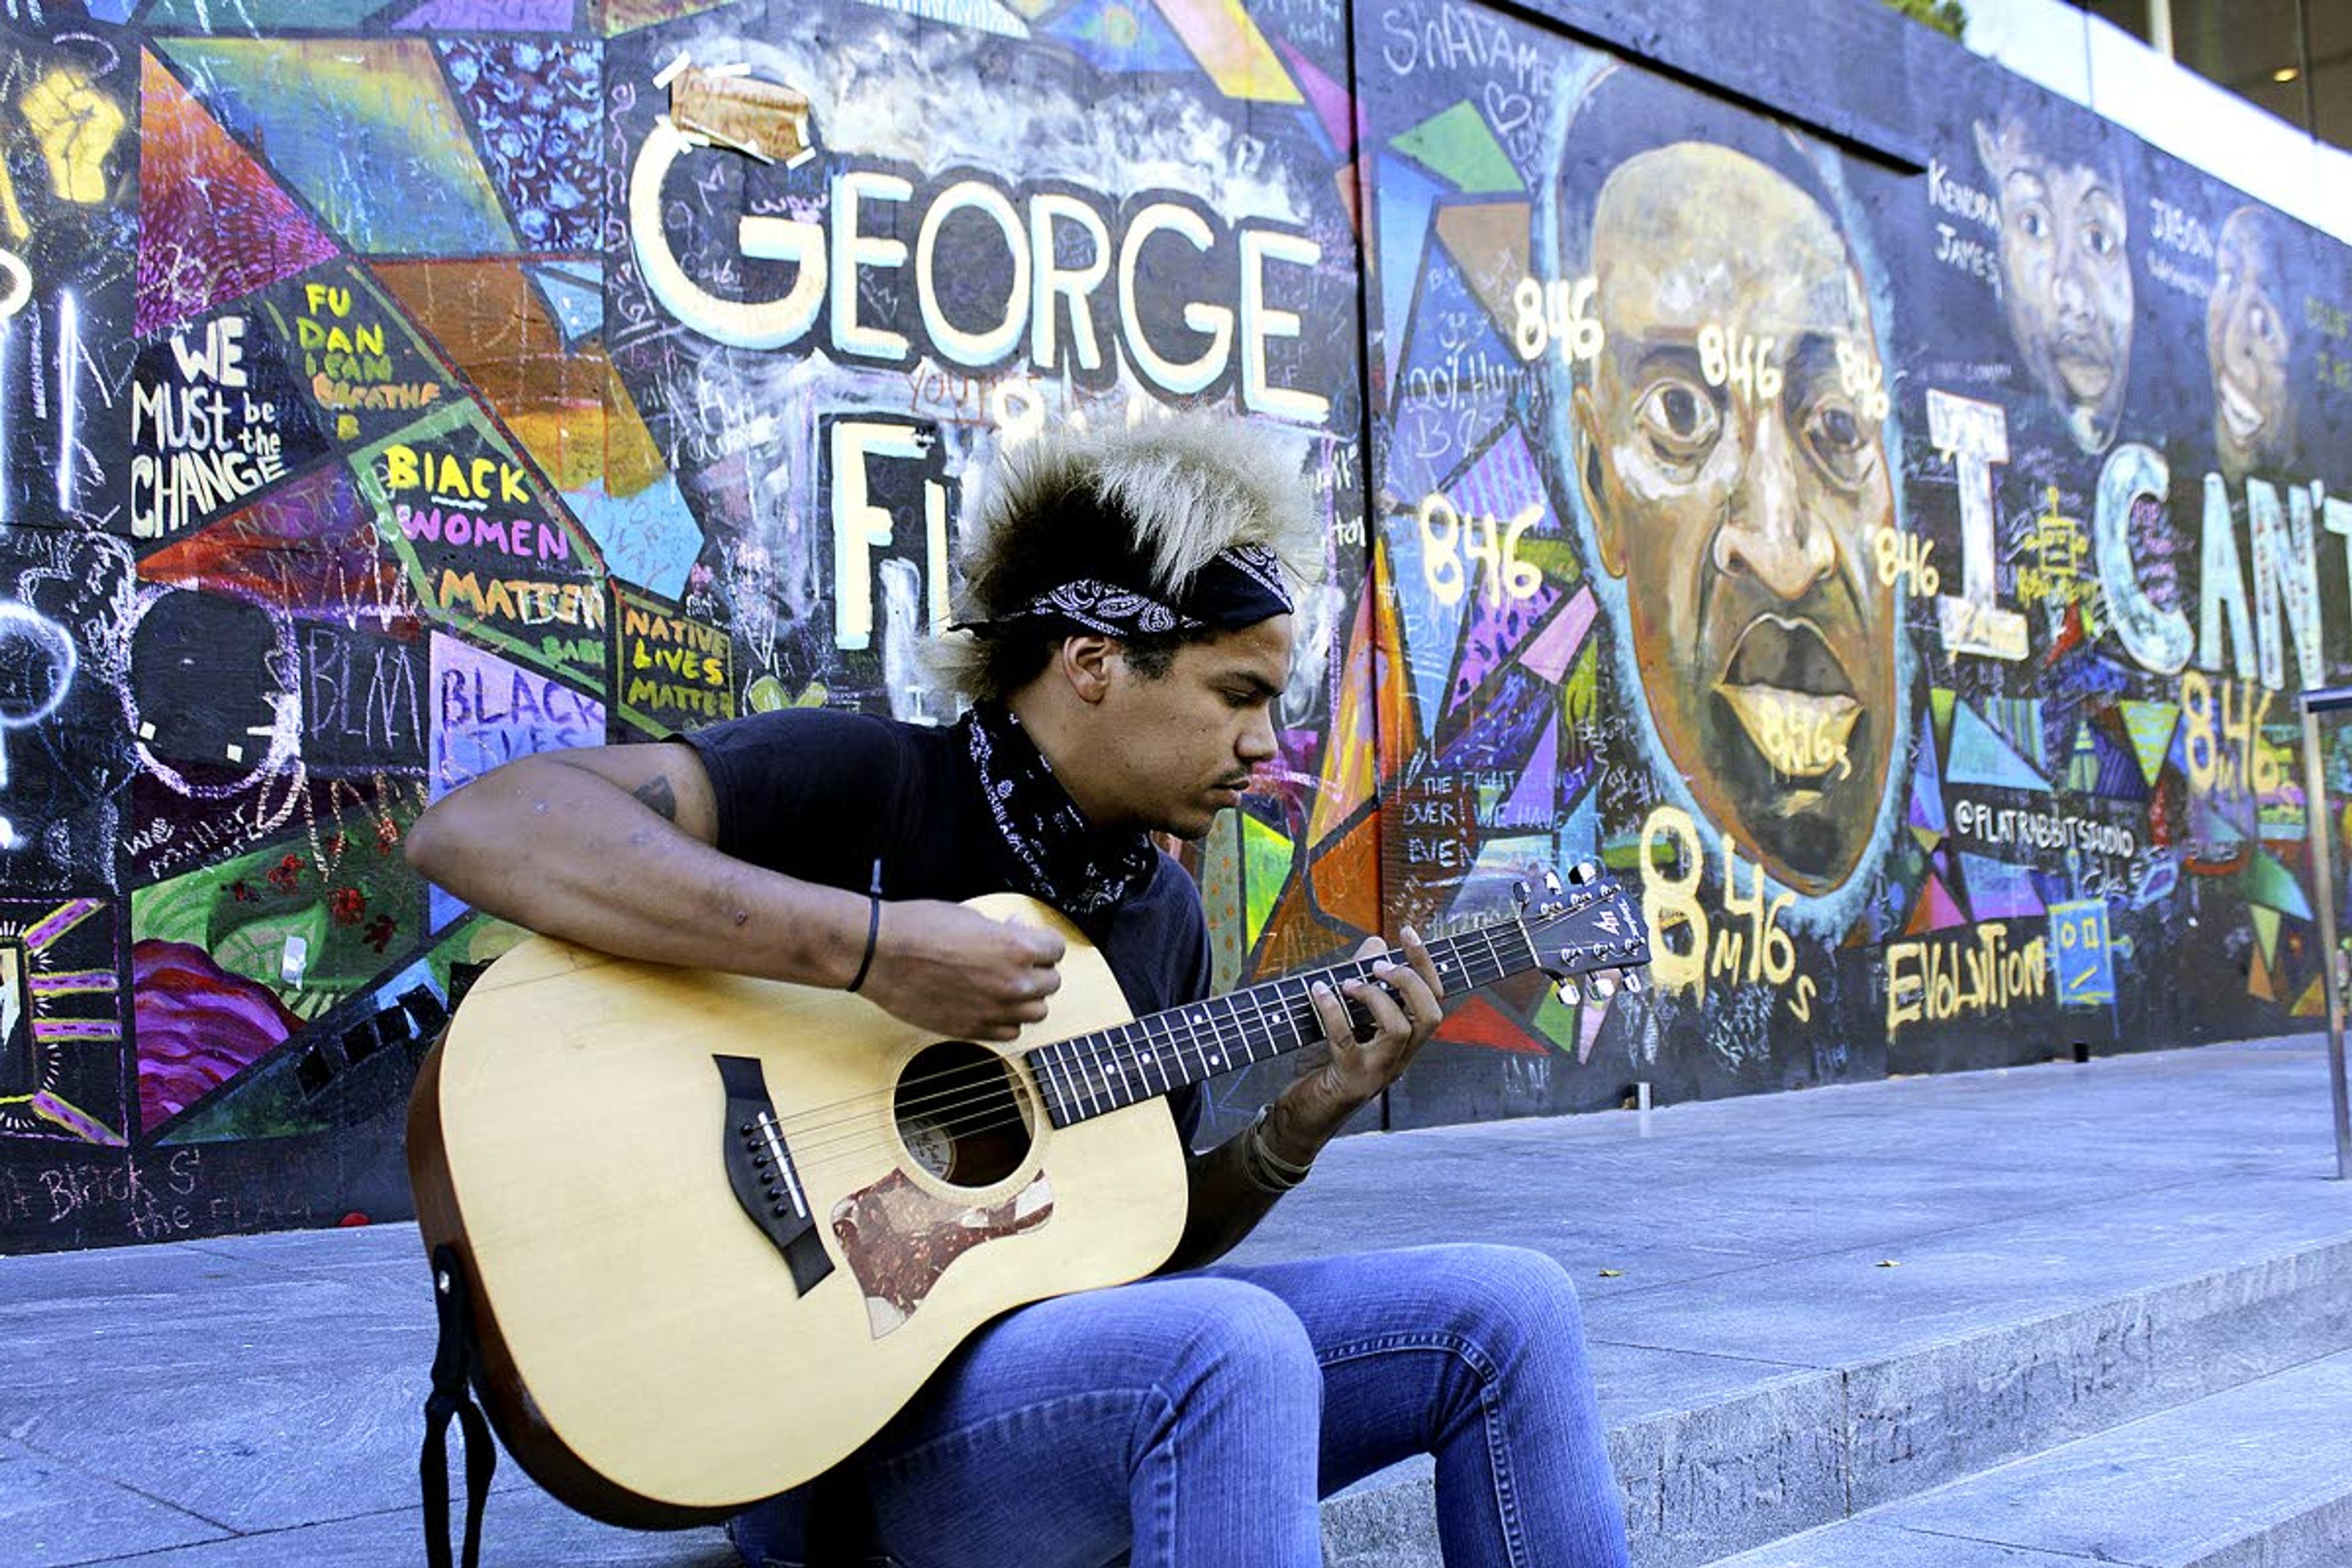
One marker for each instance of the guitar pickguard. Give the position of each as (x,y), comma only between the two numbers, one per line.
(899,1239)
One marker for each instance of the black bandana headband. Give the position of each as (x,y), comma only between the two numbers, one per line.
(1239,587)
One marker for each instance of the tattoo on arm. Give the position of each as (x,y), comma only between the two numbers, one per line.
(657,794)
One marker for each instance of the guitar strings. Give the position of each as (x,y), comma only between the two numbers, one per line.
(869,1138)
(977,1103)
(980,1106)
(1168,1033)
(801,1124)
(1230,1028)
(1358,969)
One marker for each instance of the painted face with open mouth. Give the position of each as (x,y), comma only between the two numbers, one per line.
(2065,276)
(1793,700)
(1739,511)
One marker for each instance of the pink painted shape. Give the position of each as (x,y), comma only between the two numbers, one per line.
(1935,908)
(1556,644)
(1495,635)
(1330,98)
(1589,1019)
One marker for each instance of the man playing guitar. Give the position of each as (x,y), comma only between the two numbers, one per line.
(1127,631)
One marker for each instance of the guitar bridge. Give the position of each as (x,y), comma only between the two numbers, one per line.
(759,1168)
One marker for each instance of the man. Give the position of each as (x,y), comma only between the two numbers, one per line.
(1127,632)
(1733,477)
(2065,273)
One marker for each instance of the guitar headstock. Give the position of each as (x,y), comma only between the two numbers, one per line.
(1588,935)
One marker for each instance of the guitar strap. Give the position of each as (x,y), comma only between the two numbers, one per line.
(452,1368)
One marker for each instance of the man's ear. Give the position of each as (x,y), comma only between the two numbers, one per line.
(1607,536)
(1084,661)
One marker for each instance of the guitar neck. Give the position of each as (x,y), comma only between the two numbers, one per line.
(1094,1074)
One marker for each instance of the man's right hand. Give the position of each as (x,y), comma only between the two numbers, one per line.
(960,974)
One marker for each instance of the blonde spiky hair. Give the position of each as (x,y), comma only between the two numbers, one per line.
(1151,505)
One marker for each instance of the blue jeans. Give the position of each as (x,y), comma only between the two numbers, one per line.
(1194,1420)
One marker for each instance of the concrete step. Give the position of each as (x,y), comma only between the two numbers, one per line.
(1834,1383)
(2259,1476)
(2078,1248)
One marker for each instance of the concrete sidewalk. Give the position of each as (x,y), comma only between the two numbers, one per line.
(1803,1308)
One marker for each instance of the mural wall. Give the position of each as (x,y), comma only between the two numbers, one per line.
(1900,576)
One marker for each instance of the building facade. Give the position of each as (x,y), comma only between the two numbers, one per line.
(1881,509)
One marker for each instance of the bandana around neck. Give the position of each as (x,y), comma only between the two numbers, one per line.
(1056,855)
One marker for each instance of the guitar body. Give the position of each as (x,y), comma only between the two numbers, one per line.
(653,1351)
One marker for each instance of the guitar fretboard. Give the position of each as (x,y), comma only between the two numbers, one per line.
(1092,1075)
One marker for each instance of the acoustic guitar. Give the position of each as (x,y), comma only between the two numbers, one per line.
(718,1230)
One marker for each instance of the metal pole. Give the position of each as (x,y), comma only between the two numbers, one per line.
(2323,866)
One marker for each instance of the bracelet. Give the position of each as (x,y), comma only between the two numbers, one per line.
(1268,1172)
(873,930)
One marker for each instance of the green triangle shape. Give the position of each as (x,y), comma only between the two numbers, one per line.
(1557,558)
(1556,1021)
(2150,726)
(1456,146)
(1266,858)
(2266,924)
(2270,884)
(1940,705)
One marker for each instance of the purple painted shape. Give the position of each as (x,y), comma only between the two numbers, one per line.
(508,15)
(1494,635)
(491,711)
(47,1029)
(1503,480)
(62,919)
(1530,802)
(1503,729)
(1330,98)
(1999,891)
(1926,786)
(1553,647)
(75,1120)
(199,1026)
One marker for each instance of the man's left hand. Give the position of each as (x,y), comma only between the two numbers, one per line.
(1402,1001)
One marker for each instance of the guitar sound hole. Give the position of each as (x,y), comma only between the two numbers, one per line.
(959,1116)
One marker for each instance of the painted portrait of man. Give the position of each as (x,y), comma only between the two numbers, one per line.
(1734,514)
(2065,272)
(2250,345)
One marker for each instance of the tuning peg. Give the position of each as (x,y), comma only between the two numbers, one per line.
(1633,978)
(1583,874)
(1519,896)
(1569,992)
(1551,882)
(1604,985)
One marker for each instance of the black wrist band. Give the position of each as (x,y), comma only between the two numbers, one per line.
(873,930)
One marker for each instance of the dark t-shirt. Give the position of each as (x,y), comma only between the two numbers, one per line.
(822,794)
